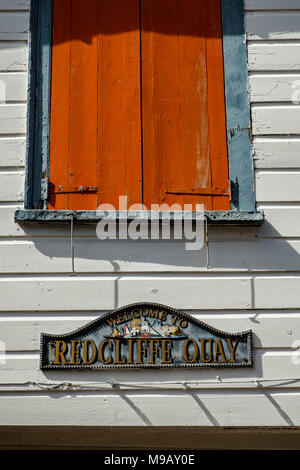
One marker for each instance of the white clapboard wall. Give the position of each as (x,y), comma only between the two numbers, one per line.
(252,282)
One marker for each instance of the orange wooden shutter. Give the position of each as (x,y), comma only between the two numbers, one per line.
(138,104)
(185,152)
(95,149)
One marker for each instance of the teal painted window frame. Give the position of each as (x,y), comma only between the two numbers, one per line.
(238,118)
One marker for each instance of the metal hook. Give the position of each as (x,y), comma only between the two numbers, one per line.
(74,273)
(184,385)
(207,244)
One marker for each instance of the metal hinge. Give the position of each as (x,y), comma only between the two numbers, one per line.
(234,187)
(71,188)
(198,191)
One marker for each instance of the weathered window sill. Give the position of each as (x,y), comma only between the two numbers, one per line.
(234,217)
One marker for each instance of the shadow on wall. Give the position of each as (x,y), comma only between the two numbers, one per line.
(230,249)
(118,16)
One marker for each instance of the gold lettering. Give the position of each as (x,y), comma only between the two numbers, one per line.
(219,351)
(118,360)
(183,323)
(112,321)
(163,316)
(86,344)
(166,354)
(232,348)
(144,312)
(120,318)
(142,351)
(203,349)
(130,351)
(101,348)
(135,314)
(75,352)
(128,316)
(185,351)
(60,358)
(153,314)
(153,350)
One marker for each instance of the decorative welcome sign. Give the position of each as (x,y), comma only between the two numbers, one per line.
(146,335)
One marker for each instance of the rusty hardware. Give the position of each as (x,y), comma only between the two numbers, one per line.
(199,191)
(234,186)
(71,188)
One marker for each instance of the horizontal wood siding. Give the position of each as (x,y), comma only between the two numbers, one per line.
(177,409)
(13,56)
(272,367)
(14,25)
(15,5)
(253,280)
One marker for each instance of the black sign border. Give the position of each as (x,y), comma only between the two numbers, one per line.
(243,334)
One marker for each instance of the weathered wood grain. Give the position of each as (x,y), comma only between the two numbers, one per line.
(274,186)
(53,255)
(66,293)
(15,5)
(11,186)
(283,25)
(157,409)
(13,87)
(12,119)
(21,332)
(274,56)
(282,220)
(276,120)
(276,152)
(271,5)
(276,291)
(270,367)
(184,129)
(14,25)
(13,56)
(12,151)
(275,88)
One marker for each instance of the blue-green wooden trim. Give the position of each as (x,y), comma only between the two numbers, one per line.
(28,192)
(213,217)
(38,119)
(238,115)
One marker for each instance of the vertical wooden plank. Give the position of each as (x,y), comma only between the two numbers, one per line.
(33,67)
(120,169)
(38,110)
(237,104)
(160,91)
(178,99)
(216,104)
(60,101)
(83,154)
(193,102)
